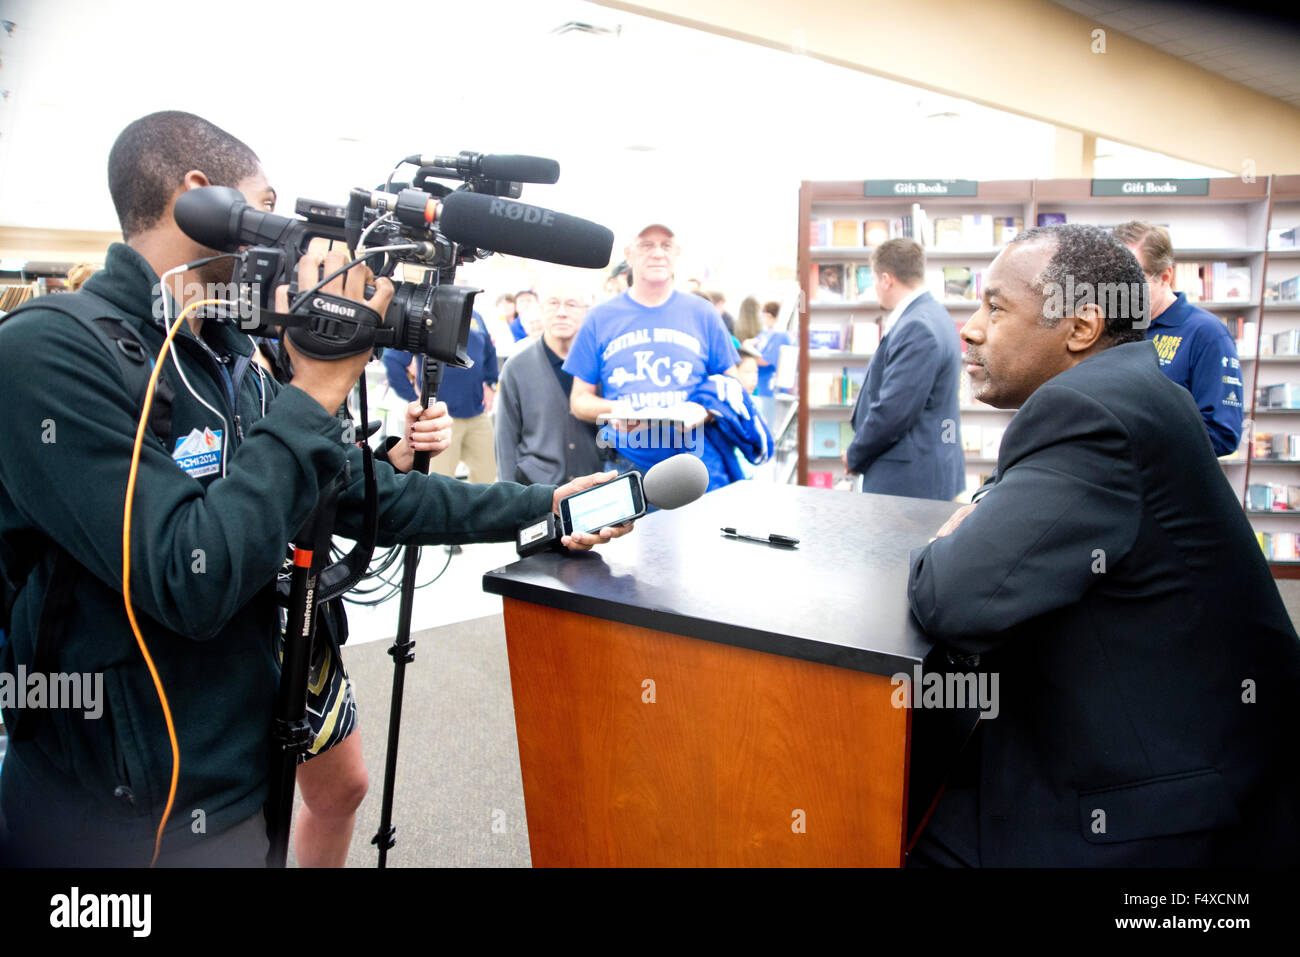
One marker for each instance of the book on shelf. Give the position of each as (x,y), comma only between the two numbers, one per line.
(864,283)
(1050,219)
(1286,343)
(866,338)
(1282,238)
(851,379)
(977,230)
(1284,395)
(1283,290)
(948,233)
(1005,229)
(825,337)
(846,435)
(828,282)
(1279,546)
(1277,445)
(1247,335)
(826,439)
(875,231)
(1272,497)
(846,232)
(821,480)
(934,281)
(920,224)
(787,369)
(958,282)
(819,232)
(990,441)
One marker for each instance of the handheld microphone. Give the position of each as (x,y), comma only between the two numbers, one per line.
(672,483)
(520,169)
(675,481)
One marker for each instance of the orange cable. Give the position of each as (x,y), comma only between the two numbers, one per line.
(126,567)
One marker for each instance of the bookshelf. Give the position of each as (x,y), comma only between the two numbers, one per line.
(1232,222)
(1269,460)
(846,201)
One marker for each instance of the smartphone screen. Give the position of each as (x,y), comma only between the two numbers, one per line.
(613,503)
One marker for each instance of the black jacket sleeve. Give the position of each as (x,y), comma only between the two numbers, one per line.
(1066,505)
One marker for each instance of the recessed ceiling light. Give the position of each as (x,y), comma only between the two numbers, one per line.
(641,148)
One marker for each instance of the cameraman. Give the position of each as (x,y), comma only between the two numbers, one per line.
(90,787)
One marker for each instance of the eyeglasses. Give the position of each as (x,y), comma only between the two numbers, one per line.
(647,248)
(570,305)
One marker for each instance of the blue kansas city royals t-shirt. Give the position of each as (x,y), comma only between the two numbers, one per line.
(652,356)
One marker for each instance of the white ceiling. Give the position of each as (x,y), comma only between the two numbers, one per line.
(1228,39)
(708,134)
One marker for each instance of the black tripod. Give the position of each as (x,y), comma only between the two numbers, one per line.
(313,581)
(290,732)
(403,649)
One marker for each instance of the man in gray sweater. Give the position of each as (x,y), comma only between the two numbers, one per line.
(537,437)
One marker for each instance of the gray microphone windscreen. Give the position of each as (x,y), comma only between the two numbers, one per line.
(675,481)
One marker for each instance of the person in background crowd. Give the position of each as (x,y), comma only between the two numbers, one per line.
(526,314)
(537,436)
(469,394)
(653,348)
(769,343)
(747,325)
(720,303)
(499,326)
(79,274)
(906,423)
(1195,349)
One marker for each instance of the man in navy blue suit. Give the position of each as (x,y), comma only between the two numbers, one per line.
(906,424)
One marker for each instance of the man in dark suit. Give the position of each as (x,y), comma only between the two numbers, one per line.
(906,424)
(1148,668)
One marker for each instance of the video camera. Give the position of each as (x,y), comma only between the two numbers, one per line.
(426,224)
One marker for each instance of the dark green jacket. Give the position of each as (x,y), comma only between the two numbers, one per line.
(205,551)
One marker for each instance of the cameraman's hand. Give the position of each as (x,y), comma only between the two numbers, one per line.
(329,381)
(585,541)
(426,430)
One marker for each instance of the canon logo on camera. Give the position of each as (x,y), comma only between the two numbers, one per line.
(324,305)
(521,212)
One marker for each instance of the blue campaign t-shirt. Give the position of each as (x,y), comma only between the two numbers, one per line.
(769,343)
(1196,350)
(652,356)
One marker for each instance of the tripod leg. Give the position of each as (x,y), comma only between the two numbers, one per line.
(290,732)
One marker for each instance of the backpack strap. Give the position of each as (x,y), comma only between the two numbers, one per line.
(118,337)
(134,361)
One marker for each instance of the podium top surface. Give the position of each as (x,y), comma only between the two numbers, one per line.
(839,598)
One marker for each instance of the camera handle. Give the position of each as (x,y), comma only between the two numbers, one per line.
(403,649)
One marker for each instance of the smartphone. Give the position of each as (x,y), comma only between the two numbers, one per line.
(613,503)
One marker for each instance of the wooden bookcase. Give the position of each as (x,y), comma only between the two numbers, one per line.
(1229,224)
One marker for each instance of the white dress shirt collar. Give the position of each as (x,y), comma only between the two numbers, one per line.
(898,310)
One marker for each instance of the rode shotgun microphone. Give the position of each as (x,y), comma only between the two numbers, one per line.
(502,226)
(520,169)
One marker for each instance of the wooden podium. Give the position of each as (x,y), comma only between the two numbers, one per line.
(685,698)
